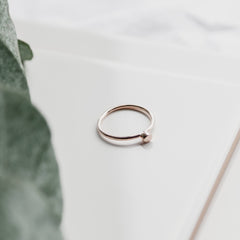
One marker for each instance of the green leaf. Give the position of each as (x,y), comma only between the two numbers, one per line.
(25,148)
(7,31)
(30,191)
(24,213)
(25,51)
(11,68)
(11,74)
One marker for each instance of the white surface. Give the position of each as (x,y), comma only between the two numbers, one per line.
(222,221)
(205,25)
(219,223)
(138,54)
(151,192)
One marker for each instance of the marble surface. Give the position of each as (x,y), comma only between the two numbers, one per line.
(204,25)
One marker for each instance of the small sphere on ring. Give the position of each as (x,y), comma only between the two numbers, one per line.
(146,137)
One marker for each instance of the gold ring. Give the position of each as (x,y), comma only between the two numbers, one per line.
(145,136)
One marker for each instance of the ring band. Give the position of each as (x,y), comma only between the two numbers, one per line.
(145,136)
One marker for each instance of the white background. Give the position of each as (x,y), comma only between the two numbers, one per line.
(209,25)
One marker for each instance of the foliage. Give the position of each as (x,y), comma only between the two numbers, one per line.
(30,191)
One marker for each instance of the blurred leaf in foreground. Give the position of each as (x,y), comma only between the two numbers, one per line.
(24,213)
(11,68)
(30,191)
(25,148)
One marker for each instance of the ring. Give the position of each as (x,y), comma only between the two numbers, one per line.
(145,136)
